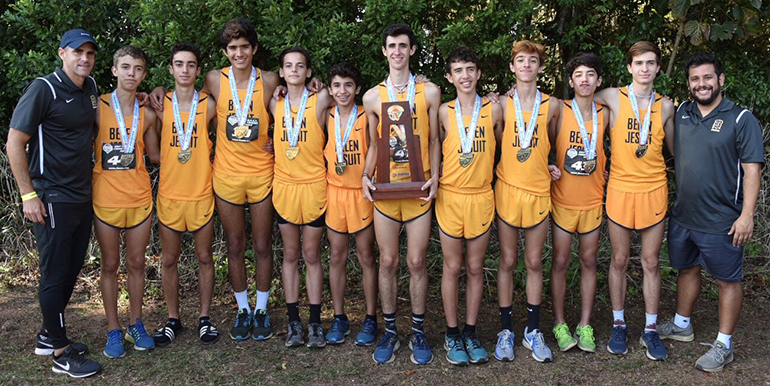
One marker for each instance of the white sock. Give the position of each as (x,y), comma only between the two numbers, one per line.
(243,300)
(619,316)
(650,320)
(262,297)
(681,321)
(727,340)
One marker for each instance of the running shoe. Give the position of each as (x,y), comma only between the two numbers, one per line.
(474,348)
(368,333)
(564,339)
(585,338)
(386,349)
(315,336)
(338,331)
(669,330)
(295,336)
(261,329)
(242,328)
(115,347)
(74,364)
(504,347)
(655,348)
(618,343)
(139,337)
(421,354)
(455,350)
(207,333)
(164,336)
(716,358)
(44,346)
(536,342)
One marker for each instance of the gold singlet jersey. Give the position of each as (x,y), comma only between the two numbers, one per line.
(629,173)
(309,165)
(476,177)
(116,185)
(189,181)
(242,154)
(354,151)
(576,188)
(531,175)
(399,156)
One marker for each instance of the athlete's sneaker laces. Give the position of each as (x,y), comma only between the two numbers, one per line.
(294,335)
(114,347)
(338,331)
(564,339)
(384,353)
(534,341)
(655,349)
(368,333)
(585,338)
(242,327)
(715,358)
(421,353)
(618,341)
(474,348)
(504,348)
(139,337)
(455,350)
(261,329)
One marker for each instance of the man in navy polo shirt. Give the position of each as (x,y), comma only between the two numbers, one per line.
(55,117)
(718,155)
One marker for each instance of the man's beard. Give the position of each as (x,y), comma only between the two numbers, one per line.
(707,101)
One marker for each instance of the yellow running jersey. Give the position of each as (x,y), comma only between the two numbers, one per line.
(354,152)
(309,165)
(476,177)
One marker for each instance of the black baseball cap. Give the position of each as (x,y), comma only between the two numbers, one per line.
(75,38)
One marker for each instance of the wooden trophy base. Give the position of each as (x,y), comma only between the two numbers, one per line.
(399,190)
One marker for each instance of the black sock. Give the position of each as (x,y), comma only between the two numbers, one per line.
(469,329)
(452,330)
(505,318)
(390,322)
(175,324)
(533,317)
(315,313)
(342,317)
(204,319)
(417,321)
(292,310)
(372,317)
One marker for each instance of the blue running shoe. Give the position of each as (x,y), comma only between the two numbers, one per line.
(385,351)
(617,344)
(535,341)
(137,335)
(260,326)
(655,348)
(242,327)
(474,348)
(421,354)
(504,347)
(455,350)
(368,333)
(115,347)
(338,331)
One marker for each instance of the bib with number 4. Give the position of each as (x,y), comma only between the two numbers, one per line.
(575,162)
(111,153)
(250,134)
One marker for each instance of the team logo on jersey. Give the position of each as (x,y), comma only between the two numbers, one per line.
(93,102)
(717,126)
(107,147)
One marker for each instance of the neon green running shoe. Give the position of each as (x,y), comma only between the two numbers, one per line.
(564,339)
(585,338)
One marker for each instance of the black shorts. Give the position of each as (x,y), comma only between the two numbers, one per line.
(688,248)
(317,223)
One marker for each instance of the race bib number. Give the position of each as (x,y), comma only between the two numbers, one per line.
(245,134)
(575,163)
(111,154)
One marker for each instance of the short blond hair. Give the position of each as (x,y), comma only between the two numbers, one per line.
(529,47)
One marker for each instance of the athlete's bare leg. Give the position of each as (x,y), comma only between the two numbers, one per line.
(387,232)
(475,251)
(203,239)
(562,247)
(170,243)
(417,238)
(534,239)
(589,247)
(262,233)
(509,240)
(652,239)
(314,272)
(620,239)
(234,224)
(137,239)
(365,249)
(109,245)
(338,261)
(290,234)
(687,290)
(452,249)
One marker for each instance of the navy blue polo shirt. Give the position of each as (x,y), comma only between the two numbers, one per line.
(708,152)
(59,118)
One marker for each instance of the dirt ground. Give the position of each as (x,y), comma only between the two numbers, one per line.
(270,363)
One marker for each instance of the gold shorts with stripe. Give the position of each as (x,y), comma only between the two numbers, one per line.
(403,210)
(185,216)
(123,218)
(577,220)
(464,215)
(519,208)
(637,210)
(240,190)
(300,204)
(347,210)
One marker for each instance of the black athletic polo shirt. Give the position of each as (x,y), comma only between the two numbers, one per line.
(708,152)
(59,117)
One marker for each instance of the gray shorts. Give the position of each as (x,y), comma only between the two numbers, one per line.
(688,248)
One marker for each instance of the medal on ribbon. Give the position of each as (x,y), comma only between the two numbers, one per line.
(340,142)
(241,112)
(526,132)
(184,133)
(410,91)
(128,141)
(466,137)
(644,129)
(589,147)
(292,130)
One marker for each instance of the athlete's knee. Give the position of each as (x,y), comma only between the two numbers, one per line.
(135,263)
(236,245)
(619,261)
(389,264)
(169,260)
(560,262)
(110,266)
(650,262)
(452,268)
(588,260)
(416,264)
(263,249)
(474,269)
(205,258)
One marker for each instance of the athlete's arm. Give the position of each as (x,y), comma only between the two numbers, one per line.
(151,136)
(554,117)
(442,121)
(497,117)
(156,97)
(34,210)
(743,227)
(325,102)
(609,97)
(372,106)
(270,81)
(668,123)
(433,97)
(211,84)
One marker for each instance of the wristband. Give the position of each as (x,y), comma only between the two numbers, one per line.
(29,196)
(366,175)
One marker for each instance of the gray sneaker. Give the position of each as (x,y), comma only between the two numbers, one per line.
(669,330)
(315,336)
(715,359)
(295,335)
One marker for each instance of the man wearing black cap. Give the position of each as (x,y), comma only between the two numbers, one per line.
(55,117)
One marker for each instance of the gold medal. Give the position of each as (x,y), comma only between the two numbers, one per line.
(240,131)
(339,167)
(641,150)
(523,154)
(466,159)
(184,155)
(126,159)
(590,166)
(291,152)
